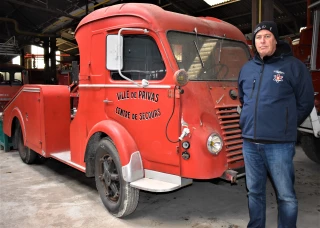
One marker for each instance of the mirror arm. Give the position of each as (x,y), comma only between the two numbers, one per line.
(145,82)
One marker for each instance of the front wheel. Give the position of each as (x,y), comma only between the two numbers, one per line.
(27,155)
(311,147)
(117,195)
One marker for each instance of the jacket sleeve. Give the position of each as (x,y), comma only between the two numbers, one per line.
(304,94)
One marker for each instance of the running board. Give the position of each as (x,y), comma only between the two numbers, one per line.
(65,157)
(160,182)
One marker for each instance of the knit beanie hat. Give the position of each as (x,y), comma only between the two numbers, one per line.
(267,25)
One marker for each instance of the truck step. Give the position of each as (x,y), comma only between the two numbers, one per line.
(160,182)
(65,157)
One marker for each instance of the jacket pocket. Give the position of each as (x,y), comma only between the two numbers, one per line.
(254,84)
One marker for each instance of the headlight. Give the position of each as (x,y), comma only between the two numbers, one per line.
(214,143)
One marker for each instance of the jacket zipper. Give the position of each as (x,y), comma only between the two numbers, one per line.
(254,84)
(256,107)
(286,120)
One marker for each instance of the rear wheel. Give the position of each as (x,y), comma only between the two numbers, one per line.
(40,159)
(311,147)
(27,155)
(117,195)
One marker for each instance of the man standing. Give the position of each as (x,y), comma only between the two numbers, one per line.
(276,92)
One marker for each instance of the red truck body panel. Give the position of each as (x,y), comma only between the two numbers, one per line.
(302,51)
(44,114)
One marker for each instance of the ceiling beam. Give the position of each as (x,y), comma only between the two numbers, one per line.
(280,6)
(177,5)
(217,5)
(296,2)
(68,41)
(61,13)
(235,16)
(26,33)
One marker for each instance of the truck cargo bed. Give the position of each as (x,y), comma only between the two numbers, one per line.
(43,112)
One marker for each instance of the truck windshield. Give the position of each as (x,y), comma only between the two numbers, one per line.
(208,58)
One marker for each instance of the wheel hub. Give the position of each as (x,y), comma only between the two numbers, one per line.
(107,177)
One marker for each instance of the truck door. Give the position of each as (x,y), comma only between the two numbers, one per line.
(32,118)
(145,112)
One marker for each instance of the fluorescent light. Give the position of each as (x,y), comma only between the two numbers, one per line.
(218,2)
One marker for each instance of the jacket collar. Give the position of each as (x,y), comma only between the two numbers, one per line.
(283,49)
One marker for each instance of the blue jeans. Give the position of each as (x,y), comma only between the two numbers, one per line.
(277,160)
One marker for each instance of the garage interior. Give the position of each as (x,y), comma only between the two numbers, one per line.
(55,195)
(52,24)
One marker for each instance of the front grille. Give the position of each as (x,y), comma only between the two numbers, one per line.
(231,133)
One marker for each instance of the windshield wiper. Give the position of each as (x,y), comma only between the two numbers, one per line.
(196,45)
(220,50)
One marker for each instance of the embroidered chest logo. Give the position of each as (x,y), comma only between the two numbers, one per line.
(278,76)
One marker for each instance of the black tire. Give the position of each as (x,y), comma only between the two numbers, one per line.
(117,195)
(40,159)
(15,134)
(311,147)
(27,155)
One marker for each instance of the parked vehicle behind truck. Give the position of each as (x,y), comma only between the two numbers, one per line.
(307,50)
(11,80)
(158,104)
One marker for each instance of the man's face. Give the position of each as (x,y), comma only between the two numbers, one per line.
(265,43)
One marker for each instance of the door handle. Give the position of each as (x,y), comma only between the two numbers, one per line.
(107,101)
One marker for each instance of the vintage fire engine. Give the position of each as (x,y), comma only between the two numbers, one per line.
(308,51)
(158,104)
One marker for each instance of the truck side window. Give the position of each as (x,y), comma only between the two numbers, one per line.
(141,59)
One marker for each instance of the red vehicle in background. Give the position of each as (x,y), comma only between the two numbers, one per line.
(11,80)
(307,49)
(157,104)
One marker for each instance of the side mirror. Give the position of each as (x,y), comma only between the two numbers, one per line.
(114,52)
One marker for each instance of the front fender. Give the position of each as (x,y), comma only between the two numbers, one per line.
(121,138)
(132,168)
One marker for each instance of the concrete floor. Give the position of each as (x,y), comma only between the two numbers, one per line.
(55,195)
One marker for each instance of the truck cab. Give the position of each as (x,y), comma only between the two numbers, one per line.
(157,104)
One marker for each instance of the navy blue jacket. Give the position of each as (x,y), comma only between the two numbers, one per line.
(276,95)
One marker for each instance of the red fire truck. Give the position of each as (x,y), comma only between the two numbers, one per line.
(158,104)
(308,51)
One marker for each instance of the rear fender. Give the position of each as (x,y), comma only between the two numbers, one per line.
(8,127)
(129,155)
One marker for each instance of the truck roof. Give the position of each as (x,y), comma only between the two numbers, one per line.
(157,19)
(9,66)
